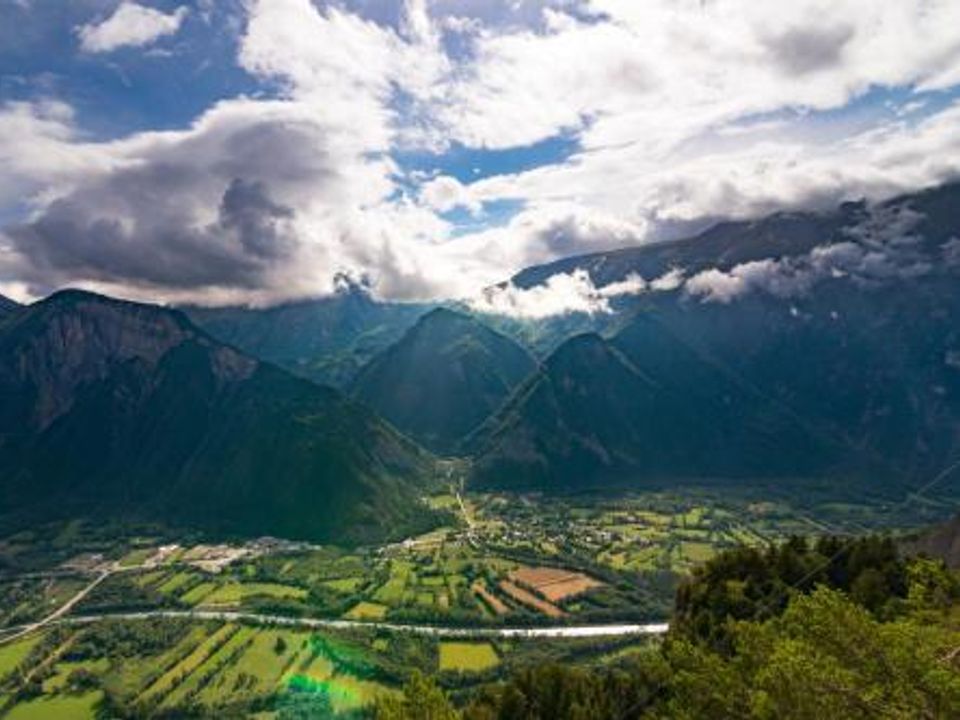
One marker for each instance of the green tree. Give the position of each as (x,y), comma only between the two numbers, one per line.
(932,587)
(554,691)
(825,657)
(421,699)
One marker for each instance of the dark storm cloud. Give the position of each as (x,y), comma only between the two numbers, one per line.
(211,208)
(251,216)
(235,251)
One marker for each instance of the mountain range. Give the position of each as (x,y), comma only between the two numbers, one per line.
(799,345)
(815,365)
(120,409)
(640,406)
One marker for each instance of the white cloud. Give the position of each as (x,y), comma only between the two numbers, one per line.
(444,193)
(131,25)
(692,110)
(670,280)
(683,111)
(560,294)
(778,278)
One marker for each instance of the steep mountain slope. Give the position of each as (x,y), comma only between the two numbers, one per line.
(325,340)
(876,368)
(118,408)
(640,407)
(7,306)
(443,378)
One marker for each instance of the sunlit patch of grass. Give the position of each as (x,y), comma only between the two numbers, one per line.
(467,657)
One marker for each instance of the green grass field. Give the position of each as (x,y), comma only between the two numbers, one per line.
(62,672)
(149,578)
(196,594)
(467,657)
(175,582)
(344,585)
(187,665)
(258,670)
(129,678)
(15,653)
(367,611)
(234,593)
(57,707)
(209,667)
(135,558)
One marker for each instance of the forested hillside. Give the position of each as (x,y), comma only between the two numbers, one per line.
(836,628)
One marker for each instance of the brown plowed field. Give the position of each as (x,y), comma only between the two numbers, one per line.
(530,600)
(491,600)
(553,583)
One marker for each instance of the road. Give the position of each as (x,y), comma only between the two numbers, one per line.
(57,614)
(466,515)
(569,631)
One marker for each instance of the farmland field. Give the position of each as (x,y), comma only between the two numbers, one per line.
(467,657)
(530,600)
(233,593)
(198,593)
(526,560)
(554,584)
(74,707)
(490,600)
(367,611)
(15,653)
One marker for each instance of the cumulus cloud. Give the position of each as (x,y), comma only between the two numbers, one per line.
(778,278)
(255,198)
(444,193)
(131,25)
(257,201)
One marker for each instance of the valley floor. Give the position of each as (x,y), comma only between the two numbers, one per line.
(176,621)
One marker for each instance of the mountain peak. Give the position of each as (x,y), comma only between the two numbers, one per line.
(444,315)
(7,305)
(583,348)
(444,377)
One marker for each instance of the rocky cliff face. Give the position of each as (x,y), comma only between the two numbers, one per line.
(75,339)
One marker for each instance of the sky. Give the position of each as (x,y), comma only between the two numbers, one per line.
(259,151)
